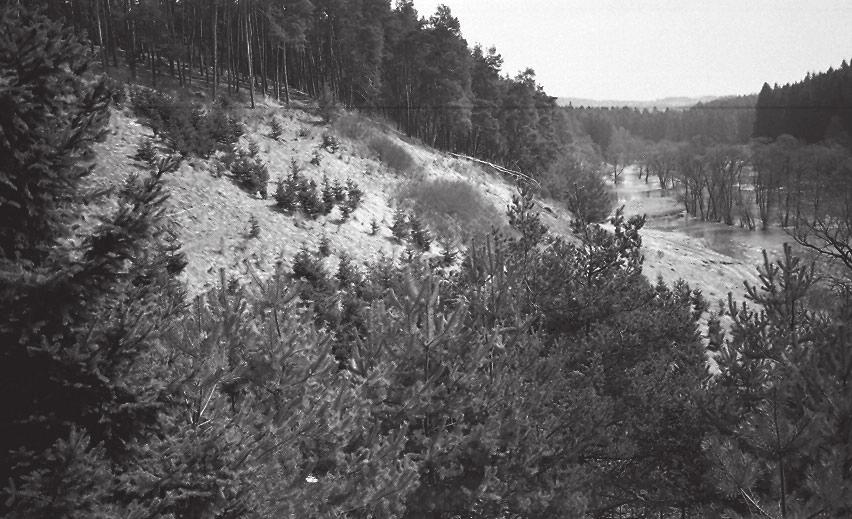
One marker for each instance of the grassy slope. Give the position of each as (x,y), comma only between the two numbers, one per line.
(212,214)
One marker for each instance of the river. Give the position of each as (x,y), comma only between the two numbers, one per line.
(714,257)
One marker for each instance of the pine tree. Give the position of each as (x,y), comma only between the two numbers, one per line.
(419,233)
(782,400)
(82,308)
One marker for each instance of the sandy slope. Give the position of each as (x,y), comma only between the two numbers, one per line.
(212,215)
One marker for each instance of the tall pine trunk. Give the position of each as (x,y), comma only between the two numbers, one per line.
(104,58)
(248,53)
(286,79)
(215,47)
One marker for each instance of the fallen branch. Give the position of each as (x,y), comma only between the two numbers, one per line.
(517,174)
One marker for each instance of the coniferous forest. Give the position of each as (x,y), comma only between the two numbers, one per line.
(528,375)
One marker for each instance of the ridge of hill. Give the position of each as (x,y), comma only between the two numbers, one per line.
(662,104)
(211,215)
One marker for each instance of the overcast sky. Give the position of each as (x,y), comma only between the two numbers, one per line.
(650,49)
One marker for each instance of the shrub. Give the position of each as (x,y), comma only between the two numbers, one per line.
(118,91)
(347,272)
(187,127)
(419,233)
(324,246)
(391,153)
(353,126)
(353,194)
(449,256)
(374,227)
(309,199)
(338,192)
(308,267)
(330,142)
(254,227)
(400,227)
(275,128)
(249,171)
(345,211)
(588,197)
(146,152)
(453,209)
(285,194)
(316,158)
(328,198)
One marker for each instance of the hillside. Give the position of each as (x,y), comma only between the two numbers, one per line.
(211,214)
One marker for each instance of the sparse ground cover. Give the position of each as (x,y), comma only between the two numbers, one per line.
(211,214)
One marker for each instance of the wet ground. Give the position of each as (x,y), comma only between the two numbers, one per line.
(714,257)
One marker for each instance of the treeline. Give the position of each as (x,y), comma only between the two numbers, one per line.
(817,108)
(419,73)
(728,120)
(541,377)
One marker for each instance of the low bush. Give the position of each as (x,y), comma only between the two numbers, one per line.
(249,171)
(588,197)
(419,233)
(309,199)
(400,228)
(297,193)
(330,142)
(275,128)
(118,92)
(254,227)
(187,127)
(353,126)
(146,152)
(453,209)
(324,247)
(308,267)
(391,153)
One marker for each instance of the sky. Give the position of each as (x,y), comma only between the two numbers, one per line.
(641,50)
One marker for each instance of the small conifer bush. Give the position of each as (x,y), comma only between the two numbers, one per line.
(419,233)
(400,228)
(146,152)
(353,195)
(249,171)
(324,246)
(330,142)
(275,128)
(328,198)
(254,227)
(309,199)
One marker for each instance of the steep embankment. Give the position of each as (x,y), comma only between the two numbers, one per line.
(211,215)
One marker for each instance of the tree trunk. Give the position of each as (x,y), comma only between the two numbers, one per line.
(215,47)
(286,79)
(277,84)
(248,52)
(131,53)
(104,59)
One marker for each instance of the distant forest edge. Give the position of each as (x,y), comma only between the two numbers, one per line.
(817,108)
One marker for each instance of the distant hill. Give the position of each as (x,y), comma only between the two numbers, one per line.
(668,102)
(735,102)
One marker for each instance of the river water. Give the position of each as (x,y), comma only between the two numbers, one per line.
(664,212)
